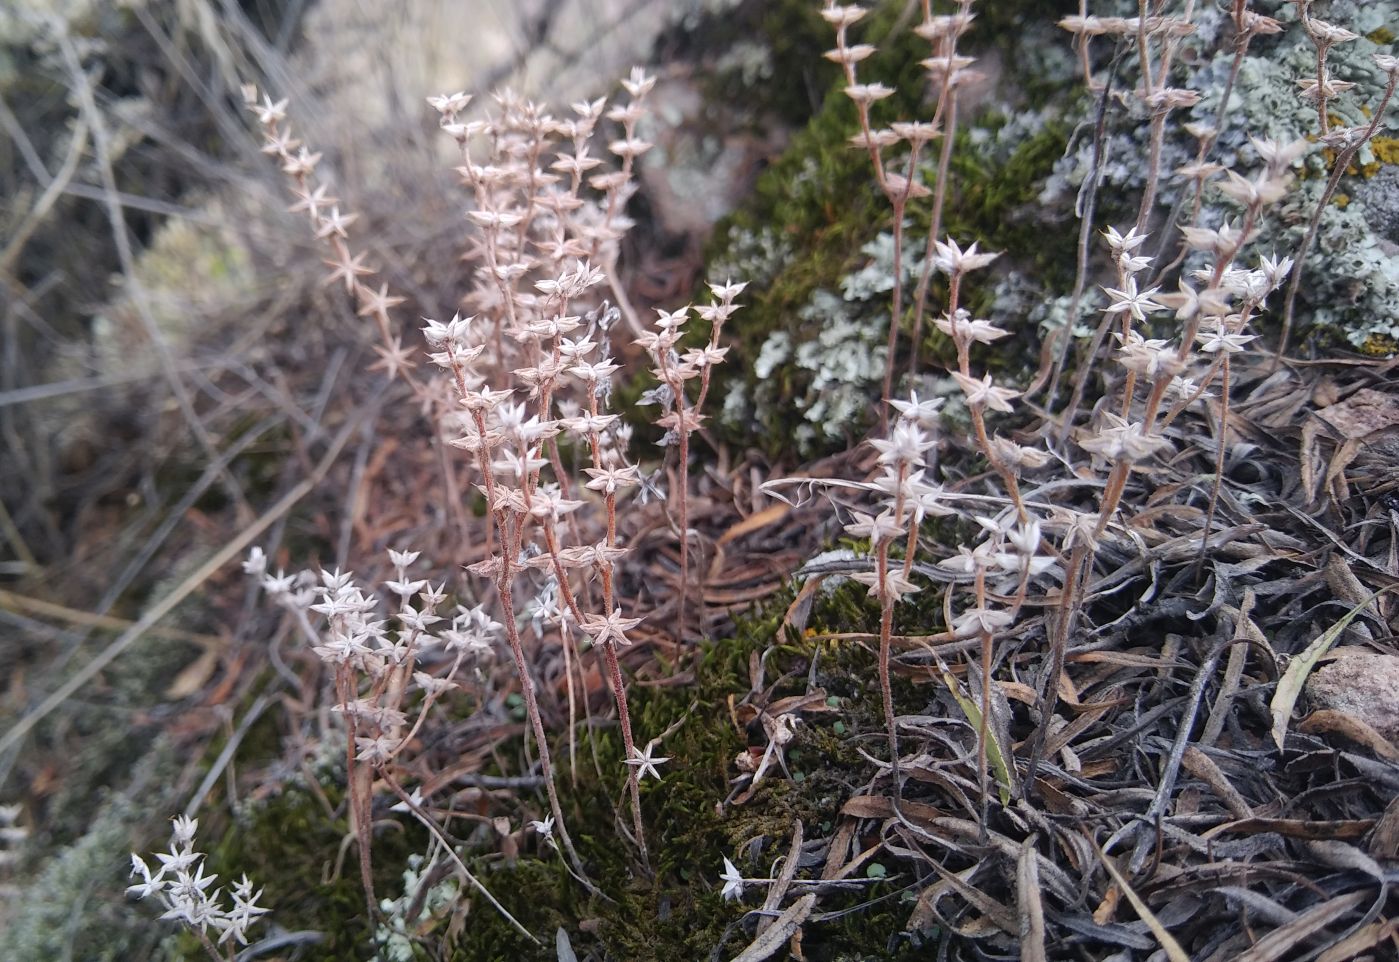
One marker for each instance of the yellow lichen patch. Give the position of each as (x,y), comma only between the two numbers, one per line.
(1342,200)
(1380,345)
(1385,149)
(1381,36)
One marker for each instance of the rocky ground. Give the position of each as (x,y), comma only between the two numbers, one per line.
(165,393)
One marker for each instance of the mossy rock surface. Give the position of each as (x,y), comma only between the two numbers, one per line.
(817,207)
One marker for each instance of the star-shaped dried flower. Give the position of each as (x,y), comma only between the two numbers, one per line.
(962,327)
(979,621)
(1221,340)
(394,358)
(921,411)
(348,268)
(608,480)
(951,259)
(377,303)
(868,93)
(609,629)
(981,393)
(892,586)
(732,879)
(1135,302)
(842,16)
(646,762)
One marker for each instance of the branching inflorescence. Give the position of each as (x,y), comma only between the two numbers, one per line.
(221,919)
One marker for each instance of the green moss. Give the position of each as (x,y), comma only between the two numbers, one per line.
(679,913)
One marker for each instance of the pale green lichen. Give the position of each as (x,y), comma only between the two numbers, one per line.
(1350,283)
(395,935)
(757,256)
(843,360)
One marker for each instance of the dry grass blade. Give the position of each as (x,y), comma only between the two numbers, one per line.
(1203,767)
(37,606)
(1028,902)
(995,912)
(1276,943)
(778,890)
(1290,685)
(755,522)
(770,942)
(417,812)
(1173,950)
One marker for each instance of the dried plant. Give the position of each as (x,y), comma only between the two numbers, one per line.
(529,367)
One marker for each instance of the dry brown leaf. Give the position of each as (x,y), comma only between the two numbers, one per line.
(1340,855)
(1067,692)
(1018,691)
(1107,908)
(799,611)
(856,863)
(995,912)
(194,676)
(881,806)
(755,522)
(813,700)
(839,849)
(1384,843)
(1167,941)
(1335,477)
(1342,580)
(1065,736)
(1362,940)
(1203,767)
(1125,659)
(1029,904)
(1295,828)
(1334,722)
